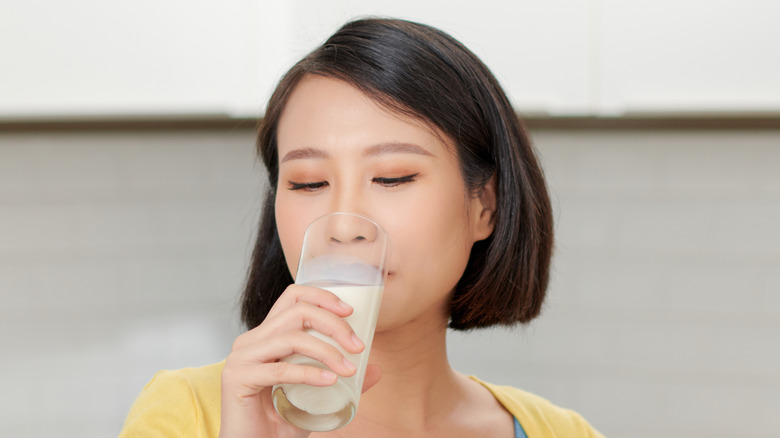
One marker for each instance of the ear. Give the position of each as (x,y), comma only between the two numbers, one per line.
(484,211)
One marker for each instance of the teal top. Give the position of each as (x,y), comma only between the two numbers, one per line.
(519,432)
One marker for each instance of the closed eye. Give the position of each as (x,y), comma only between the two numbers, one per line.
(308,186)
(392,182)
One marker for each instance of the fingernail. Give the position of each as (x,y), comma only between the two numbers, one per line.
(356,340)
(328,375)
(348,364)
(345,305)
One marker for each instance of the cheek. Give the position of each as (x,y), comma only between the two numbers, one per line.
(431,238)
(291,223)
(429,256)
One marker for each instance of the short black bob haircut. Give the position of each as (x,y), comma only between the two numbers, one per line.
(422,72)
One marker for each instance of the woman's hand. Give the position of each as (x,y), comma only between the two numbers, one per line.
(254,365)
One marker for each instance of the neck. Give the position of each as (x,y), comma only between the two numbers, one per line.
(417,384)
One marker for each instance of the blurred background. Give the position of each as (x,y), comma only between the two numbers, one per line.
(129,194)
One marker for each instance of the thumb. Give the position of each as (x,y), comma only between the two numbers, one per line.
(373,374)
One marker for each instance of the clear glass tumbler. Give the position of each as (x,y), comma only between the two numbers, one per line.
(344,253)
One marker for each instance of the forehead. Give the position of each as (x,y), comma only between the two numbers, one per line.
(324,110)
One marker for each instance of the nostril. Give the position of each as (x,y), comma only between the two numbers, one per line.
(346,229)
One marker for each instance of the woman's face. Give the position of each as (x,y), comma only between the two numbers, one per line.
(340,151)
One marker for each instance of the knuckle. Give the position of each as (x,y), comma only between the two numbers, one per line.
(238,343)
(344,328)
(279,370)
(310,374)
(314,374)
(229,378)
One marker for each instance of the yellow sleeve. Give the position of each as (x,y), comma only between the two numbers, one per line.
(539,417)
(166,408)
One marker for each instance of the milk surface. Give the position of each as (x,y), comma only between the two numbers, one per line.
(365,300)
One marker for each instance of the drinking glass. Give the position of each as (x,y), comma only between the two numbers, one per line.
(344,253)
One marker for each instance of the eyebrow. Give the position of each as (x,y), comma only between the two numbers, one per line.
(395,147)
(303,153)
(371,151)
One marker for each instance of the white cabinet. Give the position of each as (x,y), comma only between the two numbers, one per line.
(121,57)
(539,50)
(688,55)
(201,57)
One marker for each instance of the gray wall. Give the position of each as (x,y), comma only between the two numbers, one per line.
(122,253)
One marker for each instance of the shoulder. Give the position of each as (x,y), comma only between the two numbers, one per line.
(183,402)
(540,417)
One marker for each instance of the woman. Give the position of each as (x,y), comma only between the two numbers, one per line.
(399,122)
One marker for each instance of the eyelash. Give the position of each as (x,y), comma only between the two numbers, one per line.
(307,186)
(387,182)
(392,182)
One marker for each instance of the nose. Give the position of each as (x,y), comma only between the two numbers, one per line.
(350,229)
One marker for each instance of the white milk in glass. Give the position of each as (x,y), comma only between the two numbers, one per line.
(329,407)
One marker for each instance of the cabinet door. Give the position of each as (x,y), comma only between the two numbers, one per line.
(97,57)
(689,55)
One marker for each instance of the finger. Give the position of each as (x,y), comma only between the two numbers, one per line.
(249,380)
(373,374)
(319,297)
(303,316)
(296,342)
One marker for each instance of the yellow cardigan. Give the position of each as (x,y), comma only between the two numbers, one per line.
(186,403)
